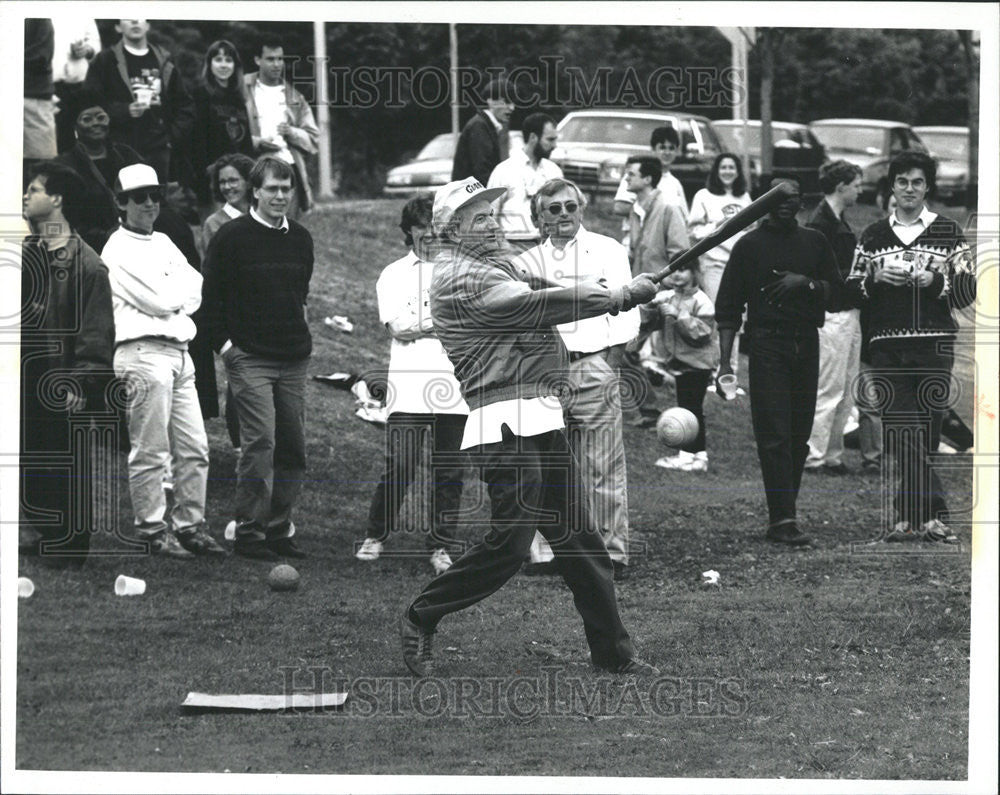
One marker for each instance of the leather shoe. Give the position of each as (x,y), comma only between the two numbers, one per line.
(253,548)
(788,533)
(285,547)
(416,644)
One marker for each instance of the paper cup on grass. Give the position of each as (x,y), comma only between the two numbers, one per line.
(129,586)
(728,385)
(25,587)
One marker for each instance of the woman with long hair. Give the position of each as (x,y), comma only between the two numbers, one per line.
(222,125)
(724,195)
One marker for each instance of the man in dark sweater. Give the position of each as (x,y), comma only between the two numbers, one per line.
(912,269)
(483,142)
(840,334)
(257,271)
(786,277)
(141,89)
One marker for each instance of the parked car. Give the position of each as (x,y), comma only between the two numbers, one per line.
(594,145)
(869,144)
(796,151)
(431,168)
(950,147)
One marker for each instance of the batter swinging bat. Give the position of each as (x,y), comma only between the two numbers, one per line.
(740,221)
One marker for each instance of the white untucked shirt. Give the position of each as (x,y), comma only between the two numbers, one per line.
(522,181)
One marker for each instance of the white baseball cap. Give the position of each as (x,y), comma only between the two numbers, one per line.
(136,176)
(452,197)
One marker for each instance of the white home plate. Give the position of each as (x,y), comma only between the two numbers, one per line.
(254,702)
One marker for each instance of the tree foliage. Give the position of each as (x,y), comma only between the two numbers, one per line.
(915,76)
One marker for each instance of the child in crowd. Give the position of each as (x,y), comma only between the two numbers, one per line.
(687,347)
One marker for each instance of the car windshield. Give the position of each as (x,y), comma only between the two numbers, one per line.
(611,129)
(732,137)
(861,140)
(441,147)
(946,145)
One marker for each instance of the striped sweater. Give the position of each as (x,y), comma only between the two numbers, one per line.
(910,312)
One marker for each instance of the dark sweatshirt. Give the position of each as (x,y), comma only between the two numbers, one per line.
(752,265)
(255,289)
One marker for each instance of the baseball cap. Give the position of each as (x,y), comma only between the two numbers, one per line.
(452,197)
(136,176)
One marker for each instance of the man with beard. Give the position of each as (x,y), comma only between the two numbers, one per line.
(498,333)
(786,277)
(521,175)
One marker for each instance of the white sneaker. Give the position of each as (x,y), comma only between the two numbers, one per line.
(698,463)
(679,461)
(370,550)
(440,561)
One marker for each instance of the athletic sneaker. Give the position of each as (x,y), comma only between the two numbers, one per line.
(166,544)
(698,462)
(370,550)
(937,532)
(679,461)
(440,561)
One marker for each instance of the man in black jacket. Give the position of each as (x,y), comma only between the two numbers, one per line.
(483,142)
(143,93)
(786,277)
(840,334)
(67,344)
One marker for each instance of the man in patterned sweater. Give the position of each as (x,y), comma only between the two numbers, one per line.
(912,269)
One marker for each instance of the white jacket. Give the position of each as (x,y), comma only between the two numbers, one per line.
(154,291)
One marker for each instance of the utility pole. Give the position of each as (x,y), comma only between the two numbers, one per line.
(325,192)
(453,47)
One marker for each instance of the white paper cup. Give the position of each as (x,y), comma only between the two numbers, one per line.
(25,587)
(129,586)
(728,385)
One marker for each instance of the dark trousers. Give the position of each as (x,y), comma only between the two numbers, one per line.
(691,386)
(533,483)
(56,482)
(404,444)
(784,371)
(636,390)
(917,377)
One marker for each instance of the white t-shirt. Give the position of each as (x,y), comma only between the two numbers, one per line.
(421,376)
(708,210)
(522,181)
(271,111)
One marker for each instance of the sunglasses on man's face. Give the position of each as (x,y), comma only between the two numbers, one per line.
(556,208)
(140,196)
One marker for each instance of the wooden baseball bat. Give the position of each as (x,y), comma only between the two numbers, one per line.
(753,211)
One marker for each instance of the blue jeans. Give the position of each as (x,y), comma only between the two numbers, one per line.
(784,369)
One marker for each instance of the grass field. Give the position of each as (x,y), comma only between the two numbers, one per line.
(838,662)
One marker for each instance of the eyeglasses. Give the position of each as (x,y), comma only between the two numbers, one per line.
(140,196)
(903,183)
(97,118)
(556,208)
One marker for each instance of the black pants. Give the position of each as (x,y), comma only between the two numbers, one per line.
(784,372)
(918,379)
(404,443)
(533,483)
(691,386)
(56,482)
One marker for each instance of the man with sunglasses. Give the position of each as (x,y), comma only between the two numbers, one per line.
(912,269)
(154,293)
(569,254)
